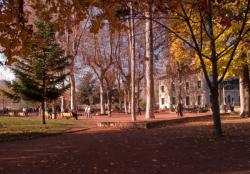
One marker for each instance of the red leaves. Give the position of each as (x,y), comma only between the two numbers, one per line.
(216,1)
(225,19)
(173,5)
(205,4)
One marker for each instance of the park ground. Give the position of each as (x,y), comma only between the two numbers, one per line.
(183,148)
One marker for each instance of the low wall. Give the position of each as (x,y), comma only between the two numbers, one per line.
(151,123)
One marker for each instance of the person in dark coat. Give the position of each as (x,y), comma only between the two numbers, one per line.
(180,109)
(74,114)
(139,111)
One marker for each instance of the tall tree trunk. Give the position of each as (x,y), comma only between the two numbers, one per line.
(119,94)
(125,102)
(53,110)
(43,104)
(149,64)
(216,112)
(109,97)
(138,94)
(72,92)
(46,106)
(215,84)
(129,101)
(245,93)
(120,104)
(102,105)
(214,90)
(132,62)
(62,104)
(129,106)
(43,112)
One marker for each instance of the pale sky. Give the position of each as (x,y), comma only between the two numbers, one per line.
(5,72)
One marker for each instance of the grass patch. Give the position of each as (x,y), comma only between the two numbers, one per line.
(15,128)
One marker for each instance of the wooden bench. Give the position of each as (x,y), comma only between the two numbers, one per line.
(22,114)
(67,115)
(13,113)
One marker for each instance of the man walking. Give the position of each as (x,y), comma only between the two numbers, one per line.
(88,112)
(180,109)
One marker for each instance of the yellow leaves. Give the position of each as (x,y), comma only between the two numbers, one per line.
(179,51)
(196,62)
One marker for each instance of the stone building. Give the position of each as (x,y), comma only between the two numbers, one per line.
(194,92)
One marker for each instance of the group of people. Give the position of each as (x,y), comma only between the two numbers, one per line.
(229,107)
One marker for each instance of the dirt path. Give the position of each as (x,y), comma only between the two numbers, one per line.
(178,149)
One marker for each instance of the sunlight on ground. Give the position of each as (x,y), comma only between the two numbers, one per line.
(224,120)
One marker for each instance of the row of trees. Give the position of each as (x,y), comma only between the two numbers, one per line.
(122,35)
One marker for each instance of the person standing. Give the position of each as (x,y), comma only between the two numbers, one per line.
(85,110)
(139,111)
(24,111)
(74,114)
(88,110)
(180,109)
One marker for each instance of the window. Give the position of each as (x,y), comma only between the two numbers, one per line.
(173,101)
(187,85)
(199,84)
(199,100)
(173,87)
(162,89)
(187,101)
(162,101)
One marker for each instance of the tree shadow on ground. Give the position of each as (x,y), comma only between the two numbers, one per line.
(175,149)
(23,136)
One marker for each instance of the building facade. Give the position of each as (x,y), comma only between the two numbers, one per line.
(229,92)
(193,92)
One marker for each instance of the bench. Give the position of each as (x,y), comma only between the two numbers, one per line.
(13,113)
(22,114)
(66,115)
